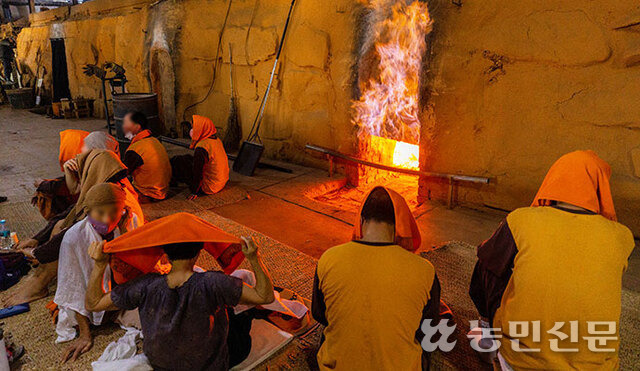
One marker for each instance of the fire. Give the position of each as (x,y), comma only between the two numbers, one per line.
(388,107)
(392,152)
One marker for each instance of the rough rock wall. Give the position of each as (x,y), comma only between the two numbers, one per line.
(94,32)
(169,47)
(517,84)
(310,98)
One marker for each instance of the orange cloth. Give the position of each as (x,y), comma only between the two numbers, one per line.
(203,128)
(215,173)
(407,232)
(142,247)
(579,178)
(153,176)
(70,144)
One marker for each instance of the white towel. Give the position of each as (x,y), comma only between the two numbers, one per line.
(291,308)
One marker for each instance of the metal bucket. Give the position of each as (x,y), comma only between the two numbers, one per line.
(147,103)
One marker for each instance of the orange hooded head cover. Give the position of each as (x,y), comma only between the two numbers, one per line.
(580,178)
(406,228)
(203,128)
(70,144)
(142,247)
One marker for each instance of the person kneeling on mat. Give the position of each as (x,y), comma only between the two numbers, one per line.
(184,316)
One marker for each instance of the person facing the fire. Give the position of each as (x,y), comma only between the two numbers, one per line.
(374,292)
(527,272)
(207,171)
(146,159)
(186,316)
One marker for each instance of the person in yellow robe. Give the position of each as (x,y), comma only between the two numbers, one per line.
(550,277)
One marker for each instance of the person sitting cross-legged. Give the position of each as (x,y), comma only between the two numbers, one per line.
(374,292)
(146,159)
(550,277)
(184,316)
(207,170)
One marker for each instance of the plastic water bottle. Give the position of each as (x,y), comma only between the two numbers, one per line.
(5,235)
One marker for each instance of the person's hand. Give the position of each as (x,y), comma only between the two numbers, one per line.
(79,346)
(28,253)
(96,252)
(192,197)
(71,165)
(249,247)
(27,244)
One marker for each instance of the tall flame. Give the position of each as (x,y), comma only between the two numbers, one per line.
(388,106)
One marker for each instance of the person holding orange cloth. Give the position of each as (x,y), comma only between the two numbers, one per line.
(207,171)
(52,196)
(94,167)
(184,315)
(71,142)
(374,292)
(146,159)
(107,218)
(552,271)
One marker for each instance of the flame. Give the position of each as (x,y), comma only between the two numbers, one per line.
(392,152)
(388,107)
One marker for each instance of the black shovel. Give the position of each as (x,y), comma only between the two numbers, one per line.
(252,148)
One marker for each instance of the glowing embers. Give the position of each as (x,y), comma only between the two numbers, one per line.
(392,152)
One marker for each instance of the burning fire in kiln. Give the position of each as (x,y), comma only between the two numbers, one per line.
(387,113)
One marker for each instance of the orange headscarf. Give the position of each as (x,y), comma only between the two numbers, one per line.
(579,178)
(142,247)
(407,232)
(70,144)
(203,128)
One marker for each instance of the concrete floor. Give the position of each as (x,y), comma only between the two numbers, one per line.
(283,206)
(277,204)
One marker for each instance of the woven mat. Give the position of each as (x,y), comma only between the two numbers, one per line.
(293,270)
(22,218)
(177,201)
(289,268)
(454,264)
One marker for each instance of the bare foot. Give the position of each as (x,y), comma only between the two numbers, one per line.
(25,297)
(25,292)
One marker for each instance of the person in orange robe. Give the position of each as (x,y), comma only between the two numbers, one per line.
(187,319)
(146,159)
(207,171)
(373,293)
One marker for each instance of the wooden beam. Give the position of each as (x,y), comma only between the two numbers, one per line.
(32,6)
